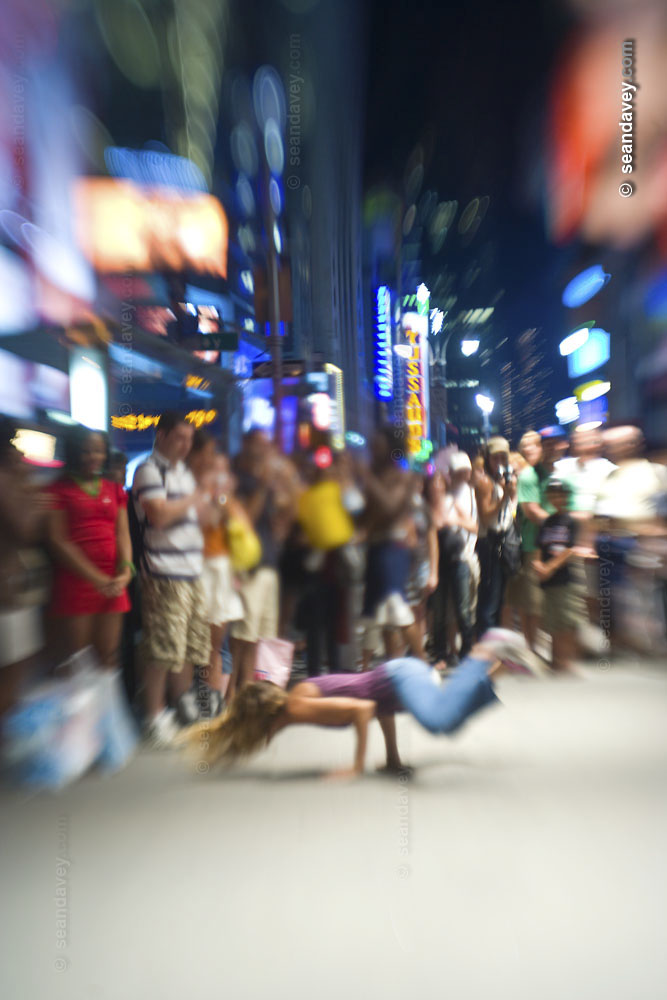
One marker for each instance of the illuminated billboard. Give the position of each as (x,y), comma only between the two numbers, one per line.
(121,227)
(415,329)
(383,375)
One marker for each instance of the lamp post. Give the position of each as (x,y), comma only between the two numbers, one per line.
(439,378)
(486,405)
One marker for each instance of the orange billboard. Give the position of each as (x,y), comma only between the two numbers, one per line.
(122,227)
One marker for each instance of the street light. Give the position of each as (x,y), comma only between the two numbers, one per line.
(486,405)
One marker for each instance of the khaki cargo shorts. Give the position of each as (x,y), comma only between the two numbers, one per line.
(564,608)
(174,622)
(523,591)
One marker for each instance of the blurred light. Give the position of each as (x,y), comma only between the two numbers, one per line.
(60,417)
(62,265)
(321,410)
(383,370)
(249,324)
(323,458)
(567,410)
(355,440)
(573,341)
(590,425)
(152,168)
(36,447)
(120,228)
(437,319)
(275,196)
(17,311)
(485,403)
(268,98)
(277,240)
(403,351)
(469,347)
(88,389)
(409,220)
(468,216)
(273,147)
(423,294)
(130,40)
(592,390)
(594,410)
(244,150)
(245,196)
(247,282)
(591,355)
(584,286)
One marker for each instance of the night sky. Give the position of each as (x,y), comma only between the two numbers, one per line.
(469,80)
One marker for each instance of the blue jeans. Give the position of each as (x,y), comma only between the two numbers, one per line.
(491,594)
(441,709)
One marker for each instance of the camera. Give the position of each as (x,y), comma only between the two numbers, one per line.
(506,474)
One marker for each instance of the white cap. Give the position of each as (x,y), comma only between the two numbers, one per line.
(459,461)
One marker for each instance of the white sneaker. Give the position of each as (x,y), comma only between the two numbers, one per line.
(512,649)
(160,732)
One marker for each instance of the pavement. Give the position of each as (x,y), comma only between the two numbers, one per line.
(525,859)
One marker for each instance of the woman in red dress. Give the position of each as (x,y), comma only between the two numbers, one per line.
(90,541)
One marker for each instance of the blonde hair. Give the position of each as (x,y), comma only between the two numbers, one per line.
(242,729)
(517,461)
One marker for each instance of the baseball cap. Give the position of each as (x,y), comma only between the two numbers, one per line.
(557,485)
(554,432)
(458,461)
(498,446)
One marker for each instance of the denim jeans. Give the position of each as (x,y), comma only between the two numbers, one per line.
(441,709)
(454,578)
(492,581)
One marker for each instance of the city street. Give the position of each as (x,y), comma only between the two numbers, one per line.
(525,859)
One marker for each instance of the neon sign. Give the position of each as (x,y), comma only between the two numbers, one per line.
(384,375)
(415,409)
(142,421)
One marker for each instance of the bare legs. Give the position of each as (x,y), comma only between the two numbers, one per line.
(243,666)
(102,632)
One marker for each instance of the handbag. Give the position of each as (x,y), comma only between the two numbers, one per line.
(273,661)
(510,550)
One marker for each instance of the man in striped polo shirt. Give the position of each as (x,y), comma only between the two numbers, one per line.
(176,634)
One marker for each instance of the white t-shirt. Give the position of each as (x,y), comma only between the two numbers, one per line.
(465,500)
(632,491)
(586,476)
(175,552)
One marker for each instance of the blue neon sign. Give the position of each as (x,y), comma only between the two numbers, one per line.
(584,286)
(383,379)
(591,355)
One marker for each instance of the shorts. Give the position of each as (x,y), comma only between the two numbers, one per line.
(564,608)
(174,622)
(20,635)
(392,612)
(523,591)
(222,602)
(259,594)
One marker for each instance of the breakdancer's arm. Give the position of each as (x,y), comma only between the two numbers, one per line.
(334,712)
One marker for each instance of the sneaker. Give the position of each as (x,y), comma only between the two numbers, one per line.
(512,649)
(187,708)
(160,731)
(210,702)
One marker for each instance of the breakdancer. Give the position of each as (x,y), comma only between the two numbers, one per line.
(262,709)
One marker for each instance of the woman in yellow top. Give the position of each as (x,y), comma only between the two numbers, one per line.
(327,528)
